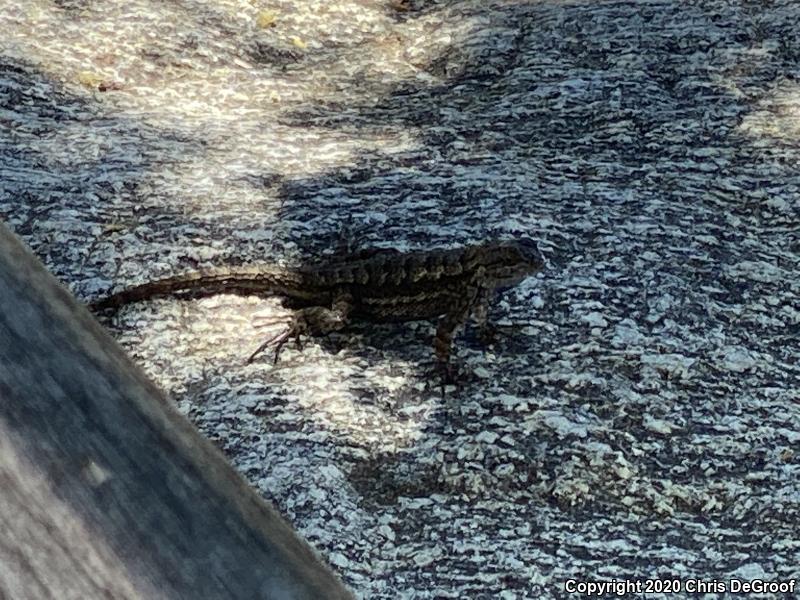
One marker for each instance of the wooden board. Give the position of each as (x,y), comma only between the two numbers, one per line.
(105,490)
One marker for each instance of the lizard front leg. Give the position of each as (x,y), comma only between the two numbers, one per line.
(480,315)
(447,329)
(314,320)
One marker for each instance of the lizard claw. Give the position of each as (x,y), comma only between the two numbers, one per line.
(487,335)
(278,340)
(448,374)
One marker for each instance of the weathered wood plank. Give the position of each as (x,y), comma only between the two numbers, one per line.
(105,490)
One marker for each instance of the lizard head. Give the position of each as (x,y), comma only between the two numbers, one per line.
(508,263)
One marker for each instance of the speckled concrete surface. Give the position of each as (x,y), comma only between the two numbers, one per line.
(639,416)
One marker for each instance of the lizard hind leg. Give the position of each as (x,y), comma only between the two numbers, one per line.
(278,340)
(315,320)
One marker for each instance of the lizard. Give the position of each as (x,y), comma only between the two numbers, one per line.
(379,285)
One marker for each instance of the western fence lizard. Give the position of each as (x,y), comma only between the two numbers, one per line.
(380,285)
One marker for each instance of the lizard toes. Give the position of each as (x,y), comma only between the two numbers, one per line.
(277,340)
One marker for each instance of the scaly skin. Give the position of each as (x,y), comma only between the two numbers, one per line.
(377,286)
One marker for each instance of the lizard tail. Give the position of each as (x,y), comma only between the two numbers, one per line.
(200,284)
